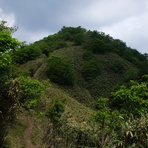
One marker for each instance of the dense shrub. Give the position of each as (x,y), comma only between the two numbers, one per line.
(97,46)
(60,71)
(143,68)
(117,67)
(90,70)
(56,109)
(132,99)
(88,55)
(26,53)
(73,34)
(29,91)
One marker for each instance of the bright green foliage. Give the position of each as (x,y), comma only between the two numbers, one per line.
(60,71)
(56,109)
(8,86)
(108,123)
(5,64)
(7,42)
(29,91)
(132,99)
(114,129)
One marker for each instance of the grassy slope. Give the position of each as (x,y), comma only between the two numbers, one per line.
(78,97)
(75,115)
(104,83)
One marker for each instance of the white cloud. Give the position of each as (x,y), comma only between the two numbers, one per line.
(98,13)
(24,35)
(38,35)
(10,18)
(132,30)
(122,19)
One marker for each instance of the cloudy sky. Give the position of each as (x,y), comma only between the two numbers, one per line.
(122,19)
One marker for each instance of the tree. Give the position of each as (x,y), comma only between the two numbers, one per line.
(132,99)
(54,113)
(23,55)
(60,71)
(106,124)
(98,46)
(8,86)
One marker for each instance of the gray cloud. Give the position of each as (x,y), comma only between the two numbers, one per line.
(126,20)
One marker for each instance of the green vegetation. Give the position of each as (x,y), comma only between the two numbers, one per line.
(103,82)
(26,53)
(132,99)
(60,71)
(30,91)
(10,88)
(90,70)
(55,111)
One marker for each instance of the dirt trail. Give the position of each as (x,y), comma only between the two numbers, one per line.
(27,134)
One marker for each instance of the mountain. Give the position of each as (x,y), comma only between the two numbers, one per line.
(76,67)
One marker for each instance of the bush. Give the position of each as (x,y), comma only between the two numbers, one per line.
(132,99)
(26,53)
(29,91)
(118,67)
(88,55)
(97,46)
(55,111)
(60,71)
(90,70)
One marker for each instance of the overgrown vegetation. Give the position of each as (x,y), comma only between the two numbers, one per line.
(103,82)
(12,91)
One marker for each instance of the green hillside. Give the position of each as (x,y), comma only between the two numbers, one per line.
(76,88)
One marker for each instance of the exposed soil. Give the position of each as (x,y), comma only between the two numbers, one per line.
(27,134)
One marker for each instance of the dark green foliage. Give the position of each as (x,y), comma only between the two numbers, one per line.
(45,49)
(8,105)
(56,109)
(78,39)
(90,70)
(26,53)
(131,74)
(60,71)
(51,43)
(97,46)
(143,68)
(73,34)
(118,67)
(88,55)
